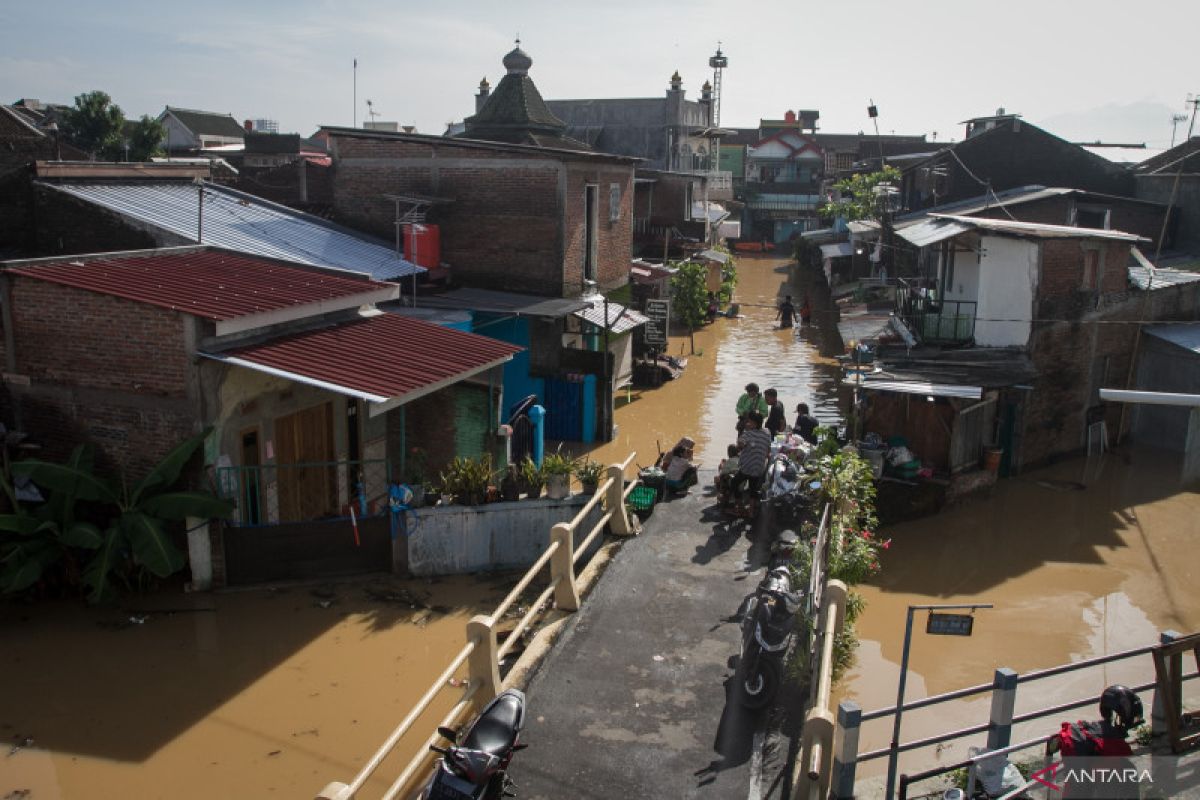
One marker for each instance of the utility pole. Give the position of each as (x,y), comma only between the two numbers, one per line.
(354,114)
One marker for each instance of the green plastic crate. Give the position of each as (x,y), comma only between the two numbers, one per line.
(643,498)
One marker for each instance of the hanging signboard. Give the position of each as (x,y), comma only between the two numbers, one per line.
(658,313)
(950,624)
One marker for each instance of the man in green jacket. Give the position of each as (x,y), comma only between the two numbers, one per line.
(750,401)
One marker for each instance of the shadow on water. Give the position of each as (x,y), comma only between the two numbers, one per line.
(188,695)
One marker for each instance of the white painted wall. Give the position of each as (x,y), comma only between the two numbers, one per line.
(1008,279)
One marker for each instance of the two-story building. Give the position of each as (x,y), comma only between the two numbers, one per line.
(1007,333)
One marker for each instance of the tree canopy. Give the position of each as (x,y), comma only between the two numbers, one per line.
(97,125)
(859,199)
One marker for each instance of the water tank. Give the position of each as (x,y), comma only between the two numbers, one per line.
(423,244)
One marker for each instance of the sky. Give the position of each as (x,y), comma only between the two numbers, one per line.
(1106,70)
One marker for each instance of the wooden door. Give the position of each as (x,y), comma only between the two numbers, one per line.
(307,490)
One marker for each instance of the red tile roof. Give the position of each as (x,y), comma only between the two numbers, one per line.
(212,284)
(378,358)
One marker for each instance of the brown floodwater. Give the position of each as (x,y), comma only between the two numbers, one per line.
(727,354)
(1080,559)
(245,694)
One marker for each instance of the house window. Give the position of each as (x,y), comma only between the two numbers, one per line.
(1091,269)
(614,202)
(591,210)
(1092,217)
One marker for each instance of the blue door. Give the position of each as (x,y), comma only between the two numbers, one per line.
(564,410)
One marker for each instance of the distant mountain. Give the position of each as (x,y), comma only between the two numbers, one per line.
(1144,121)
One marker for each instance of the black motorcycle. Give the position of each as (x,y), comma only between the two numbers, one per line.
(766,633)
(477,768)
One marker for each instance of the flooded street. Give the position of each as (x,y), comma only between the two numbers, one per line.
(274,693)
(245,694)
(729,353)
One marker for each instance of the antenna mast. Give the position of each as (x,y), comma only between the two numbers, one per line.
(718,62)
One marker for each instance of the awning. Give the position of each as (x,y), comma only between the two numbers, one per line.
(521,305)
(837,250)
(384,359)
(927,389)
(620,319)
(932,231)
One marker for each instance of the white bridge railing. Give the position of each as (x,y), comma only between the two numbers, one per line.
(482,654)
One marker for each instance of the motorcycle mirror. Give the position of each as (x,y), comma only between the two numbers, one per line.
(439,750)
(448,733)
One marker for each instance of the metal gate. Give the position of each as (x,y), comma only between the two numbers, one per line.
(564,410)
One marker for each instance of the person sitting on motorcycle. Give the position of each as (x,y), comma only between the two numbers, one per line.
(754,449)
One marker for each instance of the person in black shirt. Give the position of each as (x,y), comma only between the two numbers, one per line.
(787,312)
(776,422)
(805,424)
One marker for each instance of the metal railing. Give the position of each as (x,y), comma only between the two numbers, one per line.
(482,654)
(276,494)
(1003,689)
(933,320)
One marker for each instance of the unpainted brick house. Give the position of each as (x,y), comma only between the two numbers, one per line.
(313,395)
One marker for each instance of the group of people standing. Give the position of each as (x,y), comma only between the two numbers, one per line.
(761,417)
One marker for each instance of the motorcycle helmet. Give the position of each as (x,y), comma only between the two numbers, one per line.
(1121,702)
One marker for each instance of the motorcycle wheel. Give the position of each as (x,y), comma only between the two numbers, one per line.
(759,688)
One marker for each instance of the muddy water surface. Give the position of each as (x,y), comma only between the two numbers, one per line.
(249,694)
(728,354)
(1080,559)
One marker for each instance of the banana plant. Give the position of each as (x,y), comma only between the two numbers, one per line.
(40,538)
(135,517)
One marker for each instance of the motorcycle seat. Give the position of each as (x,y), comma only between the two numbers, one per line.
(496,731)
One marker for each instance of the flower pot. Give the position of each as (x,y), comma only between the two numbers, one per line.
(588,487)
(558,486)
(991,458)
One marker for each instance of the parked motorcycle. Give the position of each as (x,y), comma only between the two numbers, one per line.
(477,768)
(766,633)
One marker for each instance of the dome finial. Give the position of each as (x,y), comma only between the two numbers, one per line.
(517,62)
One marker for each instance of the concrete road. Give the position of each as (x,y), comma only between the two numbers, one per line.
(634,699)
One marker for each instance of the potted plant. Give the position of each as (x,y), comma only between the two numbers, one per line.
(590,473)
(510,484)
(558,469)
(467,479)
(532,478)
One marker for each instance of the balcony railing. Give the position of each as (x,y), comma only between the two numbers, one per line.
(933,320)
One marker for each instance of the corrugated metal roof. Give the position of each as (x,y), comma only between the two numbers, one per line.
(1144,276)
(1039,230)
(928,389)
(211,284)
(620,319)
(246,223)
(931,231)
(383,358)
(1186,336)
(837,250)
(522,305)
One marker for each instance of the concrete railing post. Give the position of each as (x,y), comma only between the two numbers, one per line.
(483,665)
(614,500)
(562,568)
(845,760)
(334,791)
(1174,665)
(1004,700)
(199,553)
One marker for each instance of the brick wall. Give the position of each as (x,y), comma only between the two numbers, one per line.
(507,227)
(100,368)
(66,224)
(1084,341)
